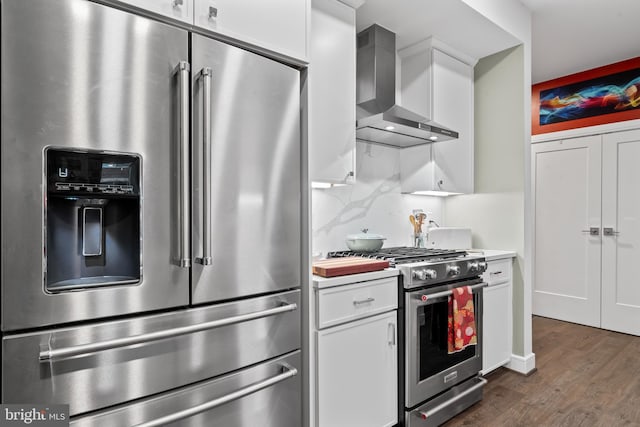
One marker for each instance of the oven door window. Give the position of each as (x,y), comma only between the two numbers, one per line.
(433,356)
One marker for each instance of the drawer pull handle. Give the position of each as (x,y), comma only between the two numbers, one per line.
(431,412)
(363,301)
(391,331)
(287,372)
(496,272)
(47,355)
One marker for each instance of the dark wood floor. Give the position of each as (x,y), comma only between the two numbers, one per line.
(586,377)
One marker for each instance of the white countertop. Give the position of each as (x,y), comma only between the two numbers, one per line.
(492,255)
(327,282)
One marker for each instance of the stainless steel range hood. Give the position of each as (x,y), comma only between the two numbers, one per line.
(380,119)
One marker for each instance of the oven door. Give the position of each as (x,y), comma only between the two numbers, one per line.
(429,368)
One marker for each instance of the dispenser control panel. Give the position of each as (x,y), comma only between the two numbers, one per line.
(92,172)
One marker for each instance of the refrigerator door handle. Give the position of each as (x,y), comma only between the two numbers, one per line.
(205,76)
(49,354)
(287,372)
(184,210)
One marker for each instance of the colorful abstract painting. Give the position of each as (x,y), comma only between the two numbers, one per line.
(602,95)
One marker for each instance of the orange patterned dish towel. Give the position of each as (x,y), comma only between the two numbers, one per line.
(461,321)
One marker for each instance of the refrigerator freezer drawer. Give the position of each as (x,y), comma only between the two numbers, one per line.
(267,395)
(99,365)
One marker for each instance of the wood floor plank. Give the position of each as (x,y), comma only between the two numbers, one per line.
(586,377)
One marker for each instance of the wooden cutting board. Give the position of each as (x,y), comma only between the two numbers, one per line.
(348,265)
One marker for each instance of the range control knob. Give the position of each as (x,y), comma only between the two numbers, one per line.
(482,266)
(472,266)
(453,270)
(427,274)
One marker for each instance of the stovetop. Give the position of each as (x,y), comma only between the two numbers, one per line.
(404,254)
(421,267)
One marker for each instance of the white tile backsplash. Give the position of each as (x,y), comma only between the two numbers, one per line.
(373,202)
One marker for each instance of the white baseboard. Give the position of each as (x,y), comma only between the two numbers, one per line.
(523,365)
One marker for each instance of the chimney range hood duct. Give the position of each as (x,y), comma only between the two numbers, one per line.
(380,120)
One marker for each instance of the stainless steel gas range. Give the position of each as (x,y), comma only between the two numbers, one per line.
(433,384)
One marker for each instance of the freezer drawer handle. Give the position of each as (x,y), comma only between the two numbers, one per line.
(184,211)
(205,77)
(49,354)
(287,372)
(431,412)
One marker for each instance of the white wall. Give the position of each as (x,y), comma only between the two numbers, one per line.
(373,202)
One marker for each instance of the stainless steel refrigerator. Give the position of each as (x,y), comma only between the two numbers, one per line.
(151,221)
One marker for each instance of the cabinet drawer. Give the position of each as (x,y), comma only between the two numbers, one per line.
(349,302)
(498,271)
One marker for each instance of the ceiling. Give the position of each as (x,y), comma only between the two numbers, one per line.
(569,36)
(416,20)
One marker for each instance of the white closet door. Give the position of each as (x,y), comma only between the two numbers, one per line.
(566,187)
(621,250)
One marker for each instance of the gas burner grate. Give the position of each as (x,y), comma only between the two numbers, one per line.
(403,254)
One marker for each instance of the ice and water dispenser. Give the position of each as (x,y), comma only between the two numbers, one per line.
(92,219)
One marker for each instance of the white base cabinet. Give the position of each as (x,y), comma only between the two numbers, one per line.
(357,368)
(356,354)
(497,315)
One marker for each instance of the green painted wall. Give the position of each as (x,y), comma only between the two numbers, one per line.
(495,212)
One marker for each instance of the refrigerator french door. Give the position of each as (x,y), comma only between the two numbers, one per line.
(246,173)
(80,80)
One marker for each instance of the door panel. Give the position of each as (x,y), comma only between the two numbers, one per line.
(275,405)
(621,212)
(566,188)
(358,365)
(48,366)
(78,74)
(255,173)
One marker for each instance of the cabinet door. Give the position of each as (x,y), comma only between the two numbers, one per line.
(357,373)
(621,250)
(177,9)
(276,25)
(566,190)
(332,92)
(440,87)
(452,106)
(496,329)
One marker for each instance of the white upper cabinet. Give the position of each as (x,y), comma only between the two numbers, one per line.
(440,87)
(332,92)
(176,9)
(276,25)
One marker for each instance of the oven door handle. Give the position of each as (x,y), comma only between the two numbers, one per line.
(425,415)
(49,354)
(426,297)
(287,372)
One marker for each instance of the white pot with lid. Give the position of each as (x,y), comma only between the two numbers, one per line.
(365,241)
